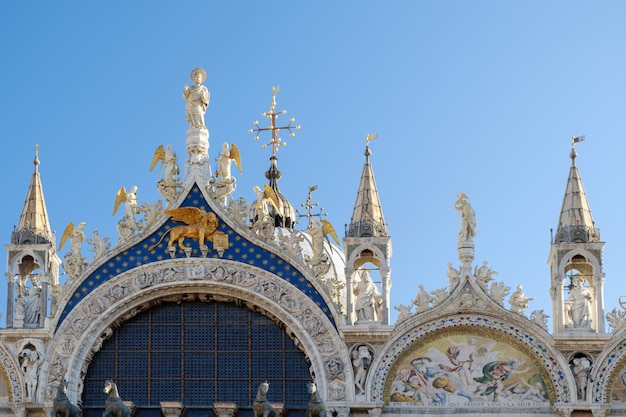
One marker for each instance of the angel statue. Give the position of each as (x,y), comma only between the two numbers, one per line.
(223,184)
(262,222)
(75,263)
(319,262)
(169,184)
(225,158)
(128,225)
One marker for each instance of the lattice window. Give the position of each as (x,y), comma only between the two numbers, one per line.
(198,353)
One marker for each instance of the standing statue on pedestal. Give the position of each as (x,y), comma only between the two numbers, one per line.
(368,304)
(197,98)
(468,218)
(579,301)
(31,361)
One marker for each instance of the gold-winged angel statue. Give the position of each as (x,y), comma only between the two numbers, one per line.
(167,159)
(225,158)
(199,225)
(319,231)
(265,198)
(76,235)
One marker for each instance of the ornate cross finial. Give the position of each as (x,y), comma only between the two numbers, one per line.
(271,114)
(309,206)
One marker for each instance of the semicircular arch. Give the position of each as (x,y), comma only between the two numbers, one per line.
(530,345)
(91,320)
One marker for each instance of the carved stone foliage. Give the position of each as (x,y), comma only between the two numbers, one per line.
(83,331)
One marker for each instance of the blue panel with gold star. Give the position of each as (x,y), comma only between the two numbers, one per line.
(240,249)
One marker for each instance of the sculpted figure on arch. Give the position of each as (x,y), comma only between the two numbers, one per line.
(468,218)
(197,98)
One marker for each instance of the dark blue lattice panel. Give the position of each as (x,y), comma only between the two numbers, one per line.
(166,316)
(103,363)
(135,390)
(198,314)
(166,364)
(199,365)
(166,337)
(154,412)
(135,337)
(199,337)
(234,337)
(233,316)
(166,389)
(234,390)
(135,361)
(266,338)
(214,353)
(199,392)
(232,365)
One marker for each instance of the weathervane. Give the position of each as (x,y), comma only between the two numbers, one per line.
(309,206)
(576,139)
(271,114)
(370,137)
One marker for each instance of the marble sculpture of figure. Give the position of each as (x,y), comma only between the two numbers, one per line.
(31,362)
(168,160)
(580,304)
(368,299)
(197,98)
(581,372)
(31,308)
(225,158)
(361,359)
(468,218)
(422,299)
(519,301)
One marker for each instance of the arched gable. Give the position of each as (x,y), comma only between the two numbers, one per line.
(528,345)
(591,258)
(242,248)
(12,375)
(607,371)
(87,324)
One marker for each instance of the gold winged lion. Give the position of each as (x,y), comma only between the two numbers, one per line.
(199,225)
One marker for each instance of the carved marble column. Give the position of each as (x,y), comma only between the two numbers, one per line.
(349,272)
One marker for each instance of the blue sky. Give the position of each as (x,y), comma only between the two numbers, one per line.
(479,97)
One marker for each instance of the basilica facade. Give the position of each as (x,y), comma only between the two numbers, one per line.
(210,304)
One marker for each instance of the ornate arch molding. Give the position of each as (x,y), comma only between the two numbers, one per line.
(589,256)
(358,249)
(529,341)
(12,375)
(604,369)
(91,321)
